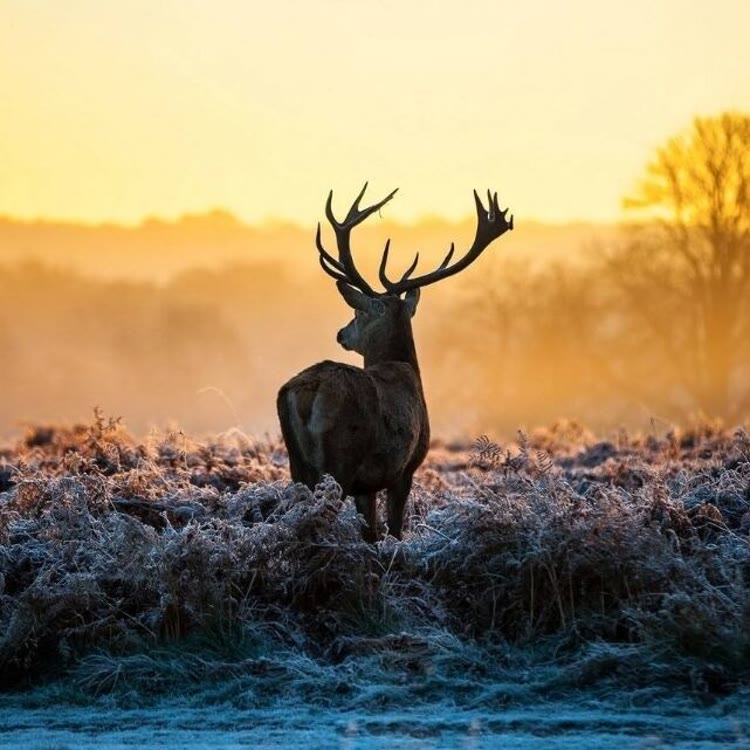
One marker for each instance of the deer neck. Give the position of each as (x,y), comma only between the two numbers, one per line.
(398,347)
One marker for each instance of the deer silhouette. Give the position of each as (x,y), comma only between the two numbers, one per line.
(368,427)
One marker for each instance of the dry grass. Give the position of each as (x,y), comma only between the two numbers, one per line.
(171,561)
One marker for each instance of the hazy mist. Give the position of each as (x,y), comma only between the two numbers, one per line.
(196,323)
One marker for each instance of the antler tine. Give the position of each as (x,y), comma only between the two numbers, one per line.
(410,270)
(324,254)
(327,262)
(344,268)
(480,206)
(384,280)
(356,216)
(355,206)
(491,224)
(330,271)
(448,257)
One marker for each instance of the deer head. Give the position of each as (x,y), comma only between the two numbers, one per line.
(380,316)
(375,319)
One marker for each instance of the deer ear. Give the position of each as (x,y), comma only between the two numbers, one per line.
(412,300)
(353,297)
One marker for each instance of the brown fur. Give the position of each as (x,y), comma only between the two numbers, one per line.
(368,427)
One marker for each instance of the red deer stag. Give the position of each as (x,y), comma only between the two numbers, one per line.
(368,427)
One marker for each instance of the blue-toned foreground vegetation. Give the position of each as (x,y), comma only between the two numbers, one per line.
(143,569)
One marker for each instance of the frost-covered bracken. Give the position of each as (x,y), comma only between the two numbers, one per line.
(170,559)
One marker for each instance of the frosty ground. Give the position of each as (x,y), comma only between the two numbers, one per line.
(551,725)
(558,590)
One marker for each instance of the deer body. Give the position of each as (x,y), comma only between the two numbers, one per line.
(368,427)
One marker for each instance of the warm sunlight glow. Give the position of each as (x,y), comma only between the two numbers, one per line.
(116,111)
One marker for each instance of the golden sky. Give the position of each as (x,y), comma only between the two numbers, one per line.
(118,110)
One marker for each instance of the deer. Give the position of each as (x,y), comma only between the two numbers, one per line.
(368,427)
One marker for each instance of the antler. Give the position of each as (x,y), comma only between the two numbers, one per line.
(343,268)
(491,224)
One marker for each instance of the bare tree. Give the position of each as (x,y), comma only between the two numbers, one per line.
(685,273)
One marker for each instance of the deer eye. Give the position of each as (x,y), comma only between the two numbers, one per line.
(377,308)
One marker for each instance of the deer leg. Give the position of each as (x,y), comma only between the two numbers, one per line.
(397,496)
(302,472)
(366,507)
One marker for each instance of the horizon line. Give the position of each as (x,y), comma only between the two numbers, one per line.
(229,218)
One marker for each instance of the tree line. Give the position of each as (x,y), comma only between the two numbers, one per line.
(656,325)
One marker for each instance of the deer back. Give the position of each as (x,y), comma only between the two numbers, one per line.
(363,426)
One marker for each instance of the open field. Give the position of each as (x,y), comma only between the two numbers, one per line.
(114,549)
(609,576)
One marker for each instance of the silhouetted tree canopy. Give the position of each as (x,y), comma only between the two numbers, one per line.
(686,270)
(656,324)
